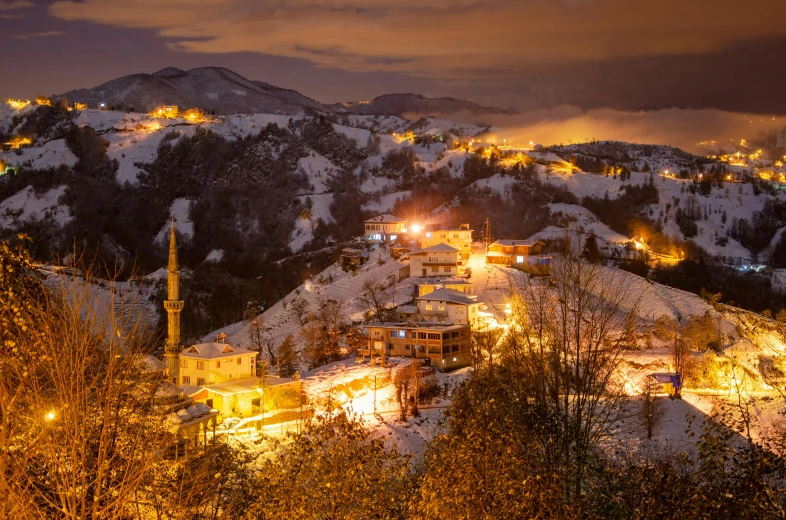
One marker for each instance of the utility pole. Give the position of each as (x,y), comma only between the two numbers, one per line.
(488,233)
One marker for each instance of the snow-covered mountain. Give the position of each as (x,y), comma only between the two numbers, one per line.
(208,88)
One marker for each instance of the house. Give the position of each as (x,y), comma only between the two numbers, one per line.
(249,396)
(80,106)
(442,306)
(384,228)
(512,252)
(169,111)
(217,362)
(444,347)
(671,383)
(460,238)
(194,115)
(351,258)
(449,306)
(438,260)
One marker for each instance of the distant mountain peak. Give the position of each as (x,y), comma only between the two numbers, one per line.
(168,72)
(398,104)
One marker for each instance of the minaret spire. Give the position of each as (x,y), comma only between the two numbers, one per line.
(173,306)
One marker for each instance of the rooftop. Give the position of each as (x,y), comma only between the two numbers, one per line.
(213,351)
(450,295)
(439,248)
(513,242)
(437,327)
(385,219)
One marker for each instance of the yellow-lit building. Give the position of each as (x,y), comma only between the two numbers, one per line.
(194,114)
(43,100)
(444,347)
(217,362)
(168,111)
(384,228)
(17,104)
(440,260)
(80,106)
(460,238)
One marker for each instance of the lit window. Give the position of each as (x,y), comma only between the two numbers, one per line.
(442,307)
(402,334)
(429,307)
(200,365)
(519,259)
(428,235)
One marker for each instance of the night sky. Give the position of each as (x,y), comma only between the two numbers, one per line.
(527,54)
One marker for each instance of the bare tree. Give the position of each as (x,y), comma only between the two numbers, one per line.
(80,432)
(651,409)
(299,307)
(568,347)
(485,346)
(374,297)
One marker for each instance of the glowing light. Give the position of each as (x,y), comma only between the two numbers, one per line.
(80,106)
(17,104)
(50,416)
(416,228)
(43,101)
(18,141)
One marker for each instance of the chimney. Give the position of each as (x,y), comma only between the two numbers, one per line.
(464,226)
(221,338)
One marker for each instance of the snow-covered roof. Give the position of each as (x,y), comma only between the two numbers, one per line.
(385,219)
(439,248)
(416,325)
(512,242)
(407,309)
(449,295)
(213,351)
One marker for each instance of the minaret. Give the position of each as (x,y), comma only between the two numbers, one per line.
(173,306)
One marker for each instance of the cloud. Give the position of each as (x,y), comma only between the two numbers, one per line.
(11,5)
(44,34)
(442,38)
(689,130)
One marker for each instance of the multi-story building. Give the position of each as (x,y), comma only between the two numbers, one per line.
(442,346)
(443,306)
(436,261)
(210,363)
(425,286)
(384,228)
(460,238)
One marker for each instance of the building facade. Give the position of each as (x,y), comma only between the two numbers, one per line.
(384,228)
(439,260)
(445,347)
(211,363)
(460,238)
(512,252)
(449,306)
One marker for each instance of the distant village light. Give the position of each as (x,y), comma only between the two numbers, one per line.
(50,416)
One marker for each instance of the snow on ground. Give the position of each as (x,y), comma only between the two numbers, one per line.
(376,184)
(385,203)
(453,160)
(305,225)
(318,169)
(26,205)
(215,256)
(49,155)
(590,223)
(179,210)
(498,183)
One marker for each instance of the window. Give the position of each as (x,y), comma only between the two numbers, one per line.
(186,380)
(519,259)
(455,235)
(218,364)
(209,402)
(421,335)
(428,235)
(406,347)
(183,363)
(200,381)
(454,335)
(200,365)
(442,308)
(429,307)
(402,334)
(447,269)
(239,360)
(432,335)
(435,269)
